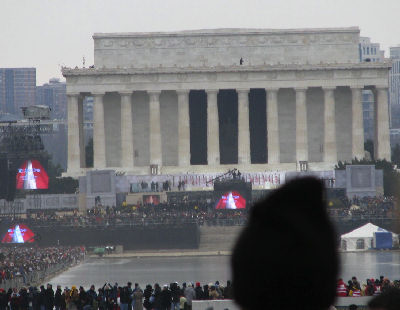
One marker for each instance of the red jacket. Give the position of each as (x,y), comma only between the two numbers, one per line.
(341,289)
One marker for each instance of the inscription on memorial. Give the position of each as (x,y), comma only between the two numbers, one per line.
(101,182)
(361,177)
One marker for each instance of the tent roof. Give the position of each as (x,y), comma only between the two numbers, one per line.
(364,231)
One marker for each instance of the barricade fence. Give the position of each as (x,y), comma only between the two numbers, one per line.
(35,278)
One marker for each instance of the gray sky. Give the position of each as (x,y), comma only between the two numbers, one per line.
(49,33)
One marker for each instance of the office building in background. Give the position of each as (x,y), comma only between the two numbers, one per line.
(17,89)
(53,95)
(369,52)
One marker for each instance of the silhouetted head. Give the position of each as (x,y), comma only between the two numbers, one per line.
(286,258)
(387,300)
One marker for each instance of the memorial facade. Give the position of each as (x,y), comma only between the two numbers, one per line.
(210,100)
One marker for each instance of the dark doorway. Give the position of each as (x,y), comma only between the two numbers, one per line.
(258,126)
(228,126)
(198,127)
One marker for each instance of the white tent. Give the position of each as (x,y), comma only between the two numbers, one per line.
(360,239)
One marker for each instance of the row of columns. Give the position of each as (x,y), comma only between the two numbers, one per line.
(75,132)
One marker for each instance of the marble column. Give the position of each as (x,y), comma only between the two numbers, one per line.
(357,123)
(183,128)
(273,127)
(330,150)
(382,132)
(73,133)
(244,156)
(155,128)
(81,133)
(126,130)
(99,143)
(212,128)
(301,126)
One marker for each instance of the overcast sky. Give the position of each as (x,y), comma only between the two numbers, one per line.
(49,33)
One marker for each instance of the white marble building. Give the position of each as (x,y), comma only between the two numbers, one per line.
(146,87)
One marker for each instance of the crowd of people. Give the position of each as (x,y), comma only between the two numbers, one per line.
(371,207)
(166,297)
(112,297)
(163,213)
(21,261)
(202,212)
(371,287)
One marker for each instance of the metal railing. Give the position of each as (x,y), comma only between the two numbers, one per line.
(37,277)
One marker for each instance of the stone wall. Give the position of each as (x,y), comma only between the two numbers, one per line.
(152,236)
(208,48)
(36,202)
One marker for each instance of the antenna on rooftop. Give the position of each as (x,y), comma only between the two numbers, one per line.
(83,61)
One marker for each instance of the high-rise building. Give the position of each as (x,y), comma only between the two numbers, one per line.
(17,89)
(394,96)
(53,95)
(394,76)
(369,52)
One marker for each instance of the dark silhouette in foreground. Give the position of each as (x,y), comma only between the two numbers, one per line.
(388,300)
(286,258)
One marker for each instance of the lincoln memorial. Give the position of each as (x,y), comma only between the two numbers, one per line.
(211,100)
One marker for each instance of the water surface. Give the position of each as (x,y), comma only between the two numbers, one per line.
(205,269)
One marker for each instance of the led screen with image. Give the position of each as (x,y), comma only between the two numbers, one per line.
(19,233)
(31,175)
(151,199)
(231,200)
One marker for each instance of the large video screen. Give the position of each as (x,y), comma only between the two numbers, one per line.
(151,199)
(231,200)
(19,233)
(31,175)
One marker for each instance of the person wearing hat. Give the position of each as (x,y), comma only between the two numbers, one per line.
(199,291)
(369,289)
(175,294)
(72,299)
(286,258)
(214,293)
(190,295)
